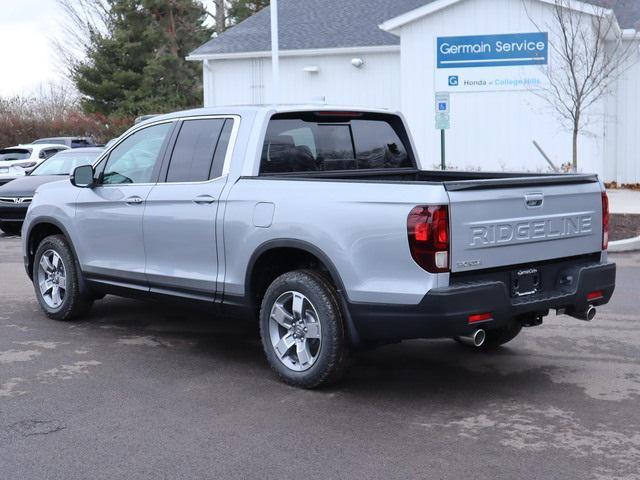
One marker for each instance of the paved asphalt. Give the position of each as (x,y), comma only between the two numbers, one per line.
(142,391)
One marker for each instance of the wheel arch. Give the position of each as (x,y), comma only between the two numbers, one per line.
(38,231)
(298,254)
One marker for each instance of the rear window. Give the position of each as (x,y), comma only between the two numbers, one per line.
(313,142)
(11,154)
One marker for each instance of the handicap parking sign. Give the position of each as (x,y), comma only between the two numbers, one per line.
(442,107)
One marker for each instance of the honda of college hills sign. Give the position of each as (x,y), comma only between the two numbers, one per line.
(510,61)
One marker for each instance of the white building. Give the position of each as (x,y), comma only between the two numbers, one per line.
(397,54)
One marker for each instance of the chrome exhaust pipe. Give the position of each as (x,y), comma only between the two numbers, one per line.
(476,339)
(587,315)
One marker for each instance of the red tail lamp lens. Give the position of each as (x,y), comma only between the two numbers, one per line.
(595,295)
(605,221)
(428,231)
(480,317)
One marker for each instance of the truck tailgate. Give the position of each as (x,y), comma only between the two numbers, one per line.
(517,223)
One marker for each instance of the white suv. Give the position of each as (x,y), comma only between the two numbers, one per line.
(16,161)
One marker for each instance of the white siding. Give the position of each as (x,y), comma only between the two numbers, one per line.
(623,126)
(243,81)
(489,130)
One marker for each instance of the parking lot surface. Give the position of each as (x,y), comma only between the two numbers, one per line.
(146,391)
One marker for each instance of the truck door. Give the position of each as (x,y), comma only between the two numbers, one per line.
(179,222)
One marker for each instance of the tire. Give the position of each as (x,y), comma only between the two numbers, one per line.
(54,265)
(302,330)
(496,338)
(11,228)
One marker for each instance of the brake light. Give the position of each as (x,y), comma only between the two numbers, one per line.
(428,230)
(605,221)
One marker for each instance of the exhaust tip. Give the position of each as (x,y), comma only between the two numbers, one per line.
(590,313)
(479,337)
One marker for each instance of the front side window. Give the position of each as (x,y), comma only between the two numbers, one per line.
(309,142)
(199,150)
(134,160)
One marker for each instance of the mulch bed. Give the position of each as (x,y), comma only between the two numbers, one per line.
(624,226)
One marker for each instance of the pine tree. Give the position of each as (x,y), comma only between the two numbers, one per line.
(242,9)
(138,65)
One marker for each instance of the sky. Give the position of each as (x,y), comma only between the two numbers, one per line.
(26,54)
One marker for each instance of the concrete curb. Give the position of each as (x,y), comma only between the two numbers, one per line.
(626,245)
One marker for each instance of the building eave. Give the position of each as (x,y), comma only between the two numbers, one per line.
(296,53)
(394,24)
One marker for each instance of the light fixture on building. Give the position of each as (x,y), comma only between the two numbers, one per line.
(357,62)
(311,69)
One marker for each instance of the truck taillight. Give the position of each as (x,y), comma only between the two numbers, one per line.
(605,221)
(428,229)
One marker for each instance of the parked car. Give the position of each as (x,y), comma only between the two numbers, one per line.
(15,161)
(319,223)
(15,197)
(71,142)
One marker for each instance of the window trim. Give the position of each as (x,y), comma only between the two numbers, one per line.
(226,164)
(388,117)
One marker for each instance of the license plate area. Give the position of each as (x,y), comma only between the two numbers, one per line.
(526,281)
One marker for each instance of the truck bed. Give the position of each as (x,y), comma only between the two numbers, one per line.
(452,180)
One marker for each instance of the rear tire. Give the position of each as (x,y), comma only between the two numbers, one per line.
(302,329)
(496,338)
(56,280)
(11,228)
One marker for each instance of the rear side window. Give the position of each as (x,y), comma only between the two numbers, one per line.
(199,151)
(311,142)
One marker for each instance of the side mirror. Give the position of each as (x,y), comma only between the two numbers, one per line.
(82,176)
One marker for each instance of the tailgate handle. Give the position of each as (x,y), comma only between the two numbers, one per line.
(534,200)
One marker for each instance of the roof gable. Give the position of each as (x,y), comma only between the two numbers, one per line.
(330,24)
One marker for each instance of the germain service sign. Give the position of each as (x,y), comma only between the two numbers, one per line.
(508,61)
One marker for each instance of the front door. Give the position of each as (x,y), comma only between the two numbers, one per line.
(180,215)
(109,215)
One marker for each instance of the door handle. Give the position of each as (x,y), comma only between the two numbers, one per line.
(204,200)
(135,200)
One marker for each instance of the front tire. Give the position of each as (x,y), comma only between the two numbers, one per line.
(56,280)
(302,329)
(11,228)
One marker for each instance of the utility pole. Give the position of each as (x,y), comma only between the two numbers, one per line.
(275,57)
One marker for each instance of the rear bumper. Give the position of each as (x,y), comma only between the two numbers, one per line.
(444,312)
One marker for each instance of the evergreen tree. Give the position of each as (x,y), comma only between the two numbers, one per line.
(138,65)
(242,9)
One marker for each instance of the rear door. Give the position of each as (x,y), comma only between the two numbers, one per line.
(510,222)
(180,216)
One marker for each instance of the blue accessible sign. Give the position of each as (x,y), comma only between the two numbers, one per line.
(511,49)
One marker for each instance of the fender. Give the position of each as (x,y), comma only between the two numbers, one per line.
(352,331)
(28,259)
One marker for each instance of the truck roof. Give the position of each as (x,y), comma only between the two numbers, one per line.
(255,109)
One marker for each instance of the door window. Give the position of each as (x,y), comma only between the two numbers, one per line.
(134,160)
(199,150)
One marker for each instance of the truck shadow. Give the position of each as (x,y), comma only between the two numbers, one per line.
(425,369)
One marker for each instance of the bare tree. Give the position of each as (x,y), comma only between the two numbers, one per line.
(588,53)
(80,20)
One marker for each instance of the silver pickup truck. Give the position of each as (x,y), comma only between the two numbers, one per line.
(322,224)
